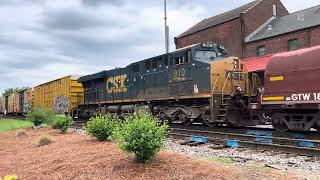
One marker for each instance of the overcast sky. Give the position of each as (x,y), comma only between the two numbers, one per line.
(42,40)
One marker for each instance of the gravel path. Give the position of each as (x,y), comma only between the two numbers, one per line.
(243,155)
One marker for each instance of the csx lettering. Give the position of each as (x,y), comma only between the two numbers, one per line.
(116,84)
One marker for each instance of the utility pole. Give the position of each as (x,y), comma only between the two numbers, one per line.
(166,28)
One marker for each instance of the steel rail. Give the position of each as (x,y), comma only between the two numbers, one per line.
(278,144)
(311,135)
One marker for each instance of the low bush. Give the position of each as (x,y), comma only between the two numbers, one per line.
(102,126)
(37,116)
(141,135)
(62,122)
(43,141)
(50,116)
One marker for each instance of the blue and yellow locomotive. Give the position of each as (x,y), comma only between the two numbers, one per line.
(199,83)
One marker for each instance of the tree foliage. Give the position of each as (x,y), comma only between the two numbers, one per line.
(9,91)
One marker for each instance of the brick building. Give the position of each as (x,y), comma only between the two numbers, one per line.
(258,28)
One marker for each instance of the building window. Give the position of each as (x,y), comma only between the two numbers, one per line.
(261,51)
(293,44)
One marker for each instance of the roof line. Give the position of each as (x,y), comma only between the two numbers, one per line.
(301,10)
(252,6)
(179,37)
(274,36)
(290,14)
(247,39)
(56,79)
(184,34)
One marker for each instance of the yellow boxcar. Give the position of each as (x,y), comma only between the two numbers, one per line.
(27,100)
(61,95)
(2,104)
(16,103)
(10,107)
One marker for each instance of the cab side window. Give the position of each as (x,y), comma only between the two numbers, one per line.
(154,63)
(179,60)
(147,65)
(188,56)
(135,68)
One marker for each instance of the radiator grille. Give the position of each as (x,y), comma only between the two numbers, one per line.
(181,89)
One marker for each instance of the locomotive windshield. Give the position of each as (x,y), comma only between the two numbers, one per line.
(210,54)
(205,55)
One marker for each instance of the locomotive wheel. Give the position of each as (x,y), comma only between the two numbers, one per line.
(206,121)
(278,122)
(184,119)
(163,118)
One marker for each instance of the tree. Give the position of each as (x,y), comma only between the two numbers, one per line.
(10,91)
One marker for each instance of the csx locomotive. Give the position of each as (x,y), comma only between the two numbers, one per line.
(199,83)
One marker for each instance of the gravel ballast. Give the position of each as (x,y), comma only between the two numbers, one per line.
(243,155)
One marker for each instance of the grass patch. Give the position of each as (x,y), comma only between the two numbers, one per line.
(12,124)
(224,160)
(43,141)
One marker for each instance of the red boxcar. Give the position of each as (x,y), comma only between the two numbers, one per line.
(292,90)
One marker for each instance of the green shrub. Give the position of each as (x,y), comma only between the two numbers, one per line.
(62,122)
(141,135)
(43,141)
(37,116)
(102,126)
(50,116)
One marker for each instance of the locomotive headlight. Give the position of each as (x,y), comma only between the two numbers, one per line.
(207,45)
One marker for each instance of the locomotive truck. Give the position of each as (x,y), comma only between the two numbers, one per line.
(198,83)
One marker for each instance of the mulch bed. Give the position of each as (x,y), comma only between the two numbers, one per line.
(76,156)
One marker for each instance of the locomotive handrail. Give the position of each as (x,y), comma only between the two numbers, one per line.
(215,83)
(227,78)
(257,76)
(224,85)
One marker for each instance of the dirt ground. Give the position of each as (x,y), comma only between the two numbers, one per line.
(76,156)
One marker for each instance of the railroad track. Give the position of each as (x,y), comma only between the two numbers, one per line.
(262,142)
(310,135)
